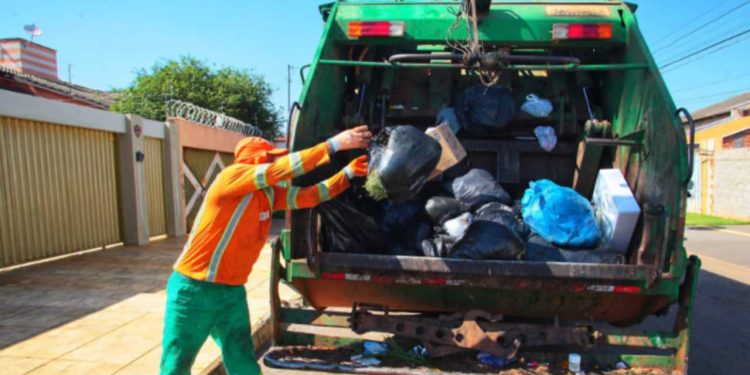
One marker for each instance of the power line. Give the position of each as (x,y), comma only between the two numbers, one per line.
(715,95)
(688,23)
(696,58)
(727,39)
(706,36)
(693,31)
(690,88)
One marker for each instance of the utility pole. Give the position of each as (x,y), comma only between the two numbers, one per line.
(70,77)
(288,88)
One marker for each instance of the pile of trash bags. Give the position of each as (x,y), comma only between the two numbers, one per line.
(469,217)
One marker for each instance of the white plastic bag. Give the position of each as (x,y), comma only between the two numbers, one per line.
(457,226)
(546,136)
(536,106)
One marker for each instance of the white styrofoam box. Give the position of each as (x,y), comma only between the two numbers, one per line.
(615,208)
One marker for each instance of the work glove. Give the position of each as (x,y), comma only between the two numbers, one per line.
(356,168)
(357,137)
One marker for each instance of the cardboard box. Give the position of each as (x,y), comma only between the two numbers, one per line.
(615,208)
(453,151)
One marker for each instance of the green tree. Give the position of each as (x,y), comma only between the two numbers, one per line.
(234,92)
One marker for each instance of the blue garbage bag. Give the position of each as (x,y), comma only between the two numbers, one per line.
(559,214)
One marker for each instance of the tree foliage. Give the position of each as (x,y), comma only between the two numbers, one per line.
(234,92)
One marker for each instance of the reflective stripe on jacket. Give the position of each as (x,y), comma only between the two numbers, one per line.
(233,222)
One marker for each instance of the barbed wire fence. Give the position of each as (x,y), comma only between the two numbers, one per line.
(207,117)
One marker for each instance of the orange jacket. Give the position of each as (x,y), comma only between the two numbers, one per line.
(232,225)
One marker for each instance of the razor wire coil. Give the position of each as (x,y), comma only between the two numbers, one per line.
(207,117)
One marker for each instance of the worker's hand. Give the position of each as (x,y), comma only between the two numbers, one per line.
(357,137)
(356,167)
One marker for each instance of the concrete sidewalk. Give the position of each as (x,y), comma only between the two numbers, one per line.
(101,313)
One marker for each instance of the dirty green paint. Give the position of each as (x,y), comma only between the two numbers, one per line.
(634,95)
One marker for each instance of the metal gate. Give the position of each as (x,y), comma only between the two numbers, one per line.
(58,190)
(200,168)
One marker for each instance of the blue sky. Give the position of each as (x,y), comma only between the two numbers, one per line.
(107,41)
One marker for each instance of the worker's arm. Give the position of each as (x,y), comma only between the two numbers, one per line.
(293,197)
(241,179)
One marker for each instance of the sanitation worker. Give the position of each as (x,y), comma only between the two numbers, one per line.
(205,294)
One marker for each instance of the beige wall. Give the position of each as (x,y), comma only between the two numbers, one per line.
(206,138)
(731,183)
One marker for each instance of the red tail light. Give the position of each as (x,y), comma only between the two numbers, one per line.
(582,31)
(359,29)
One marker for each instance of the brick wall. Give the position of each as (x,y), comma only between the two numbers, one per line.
(731,195)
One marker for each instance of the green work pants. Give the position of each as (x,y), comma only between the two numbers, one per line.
(197,309)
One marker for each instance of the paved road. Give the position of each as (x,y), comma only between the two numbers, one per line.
(721,320)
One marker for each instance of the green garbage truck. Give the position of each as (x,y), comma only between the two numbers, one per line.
(385,63)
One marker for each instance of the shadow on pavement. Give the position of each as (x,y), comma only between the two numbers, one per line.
(44,296)
(720,328)
(41,297)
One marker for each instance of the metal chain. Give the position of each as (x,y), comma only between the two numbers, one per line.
(207,117)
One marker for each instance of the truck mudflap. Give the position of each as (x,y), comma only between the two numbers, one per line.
(600,348)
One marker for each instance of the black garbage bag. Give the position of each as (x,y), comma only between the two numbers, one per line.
(439,246)
(488,240)
(539,250)
(505,215)
(485,110)
(400,168)
(402,222)
(477,187)
(440,209)
(346,229)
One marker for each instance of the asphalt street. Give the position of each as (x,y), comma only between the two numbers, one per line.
(721,319)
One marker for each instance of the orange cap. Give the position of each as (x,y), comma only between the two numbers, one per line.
(256,150)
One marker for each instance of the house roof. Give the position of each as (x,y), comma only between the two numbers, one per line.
(100,99)
(724,106)
(24,41)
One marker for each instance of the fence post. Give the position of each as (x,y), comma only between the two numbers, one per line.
(133,202)
(173,180)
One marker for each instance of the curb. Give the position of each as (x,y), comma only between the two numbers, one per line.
(261,332)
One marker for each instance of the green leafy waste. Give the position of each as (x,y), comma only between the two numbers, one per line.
(374,186)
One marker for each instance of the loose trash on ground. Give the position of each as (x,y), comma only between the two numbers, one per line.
(400,166)
(615,208)
(574,363)
(419,351)
(371,350)
(365,361)
(374,348)
(493,360)
(546,137)
(559,214)
(536,106)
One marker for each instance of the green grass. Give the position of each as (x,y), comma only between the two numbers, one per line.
(695,219)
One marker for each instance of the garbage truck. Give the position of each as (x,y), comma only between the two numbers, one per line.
(385,63)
